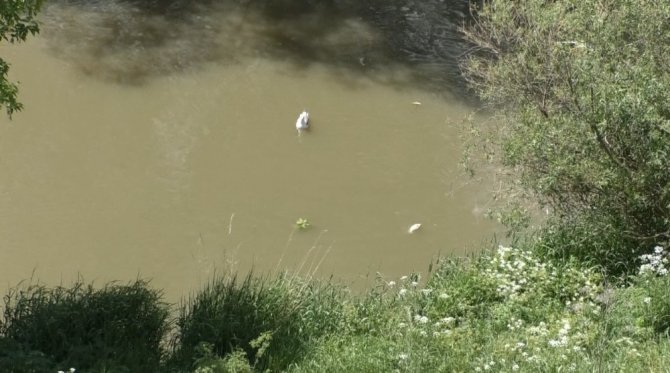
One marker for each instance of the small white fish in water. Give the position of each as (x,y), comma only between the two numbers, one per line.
(413,228)
(416,103)
(303,122)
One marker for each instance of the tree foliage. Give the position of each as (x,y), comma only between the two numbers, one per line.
(583,86)
(17,21)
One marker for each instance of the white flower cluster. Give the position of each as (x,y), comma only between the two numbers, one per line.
(559,336)
(406,284)
(408,289)
(493,366)
(654,263)
(513,270)
(421,325)
(421,319)
(562,338)
(487,366)
(518,272)
(448,321)
(514,324)
(539,330)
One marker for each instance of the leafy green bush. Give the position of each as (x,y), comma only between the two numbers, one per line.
(17,21)
(115,328)
(586,126)
(208,362)
(229,315)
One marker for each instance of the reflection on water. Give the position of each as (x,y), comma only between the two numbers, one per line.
(167,148)
(128,41)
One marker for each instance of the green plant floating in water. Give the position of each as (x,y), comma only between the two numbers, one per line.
(302,223)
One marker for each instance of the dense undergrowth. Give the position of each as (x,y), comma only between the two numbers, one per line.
(502,310)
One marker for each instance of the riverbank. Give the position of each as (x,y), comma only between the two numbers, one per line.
(503,310)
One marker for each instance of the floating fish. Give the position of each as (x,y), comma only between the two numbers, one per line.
(413,228)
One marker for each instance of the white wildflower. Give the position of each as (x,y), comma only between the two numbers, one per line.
(654,263)
(447,320)
(421,319)
(647,300)
(554,343)
(514,324)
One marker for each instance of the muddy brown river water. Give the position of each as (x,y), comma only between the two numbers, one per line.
(131,162)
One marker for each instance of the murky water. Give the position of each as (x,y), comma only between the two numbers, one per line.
(174,156)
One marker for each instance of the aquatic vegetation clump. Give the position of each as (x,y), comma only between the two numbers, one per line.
(303,223)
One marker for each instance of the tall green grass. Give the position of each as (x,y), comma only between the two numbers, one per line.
(115,328)
(507,310)
(230,314)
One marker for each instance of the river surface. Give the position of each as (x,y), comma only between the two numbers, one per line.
(174,157)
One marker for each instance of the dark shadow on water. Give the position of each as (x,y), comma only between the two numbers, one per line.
(131,41)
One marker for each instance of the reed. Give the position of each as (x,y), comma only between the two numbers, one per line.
(114,328)
(230,313)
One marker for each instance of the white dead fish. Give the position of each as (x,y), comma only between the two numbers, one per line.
(303,121)
(413,228)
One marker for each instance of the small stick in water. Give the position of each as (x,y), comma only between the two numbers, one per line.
(230,225)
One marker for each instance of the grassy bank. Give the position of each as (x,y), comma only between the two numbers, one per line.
(503,310)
